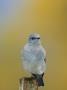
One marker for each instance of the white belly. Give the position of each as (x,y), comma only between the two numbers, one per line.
(35,67)
(33,60)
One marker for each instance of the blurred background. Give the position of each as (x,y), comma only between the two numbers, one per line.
(18,19)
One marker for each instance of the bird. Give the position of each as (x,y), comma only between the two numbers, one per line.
(33,57)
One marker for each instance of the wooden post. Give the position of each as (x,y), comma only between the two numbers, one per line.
(28,84)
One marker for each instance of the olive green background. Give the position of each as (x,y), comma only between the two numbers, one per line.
(49,19)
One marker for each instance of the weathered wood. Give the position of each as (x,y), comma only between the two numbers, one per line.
(28,84)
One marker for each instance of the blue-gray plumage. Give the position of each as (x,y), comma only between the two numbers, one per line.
(33,56)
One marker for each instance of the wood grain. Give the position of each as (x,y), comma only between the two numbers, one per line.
(28,84)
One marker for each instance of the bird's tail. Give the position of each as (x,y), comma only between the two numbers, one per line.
(39,79)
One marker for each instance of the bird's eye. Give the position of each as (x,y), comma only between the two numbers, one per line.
(33,38)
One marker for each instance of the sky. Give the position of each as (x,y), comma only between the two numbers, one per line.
(8,8)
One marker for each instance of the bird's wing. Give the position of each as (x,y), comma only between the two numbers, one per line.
(41,55)
(45,60)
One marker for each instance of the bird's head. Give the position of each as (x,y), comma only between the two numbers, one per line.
(34,39)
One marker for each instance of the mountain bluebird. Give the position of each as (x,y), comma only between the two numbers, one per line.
(33,57)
